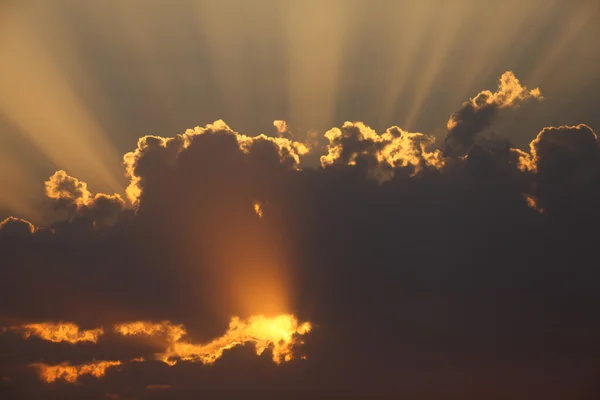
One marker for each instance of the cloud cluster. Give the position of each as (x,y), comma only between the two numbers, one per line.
(154,155)
(462,269)
(280,334)
(356,143)
(71,195)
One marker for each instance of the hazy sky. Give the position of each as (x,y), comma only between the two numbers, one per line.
(82,80)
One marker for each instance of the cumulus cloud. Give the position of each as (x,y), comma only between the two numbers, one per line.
(565,163)
(478,113)
(12,226)
(563,150)
(155,155)
(400,251)
(281,126)
(63,187)
(72,195)
(356,143)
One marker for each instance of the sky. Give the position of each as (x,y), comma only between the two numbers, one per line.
(299,199)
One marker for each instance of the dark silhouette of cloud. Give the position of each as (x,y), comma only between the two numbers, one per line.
(16,227)
(478,113)
(466,272)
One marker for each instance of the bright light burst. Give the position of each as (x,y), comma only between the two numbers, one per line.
(281,334)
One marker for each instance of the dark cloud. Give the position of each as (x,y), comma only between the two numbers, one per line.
(478,113)
(565,163)
(71,197)
(15,227)
(425,275)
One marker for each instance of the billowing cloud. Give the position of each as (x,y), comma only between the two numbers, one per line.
(281,126)
(401,250)
(65,188)
(157,152)
(565,163)
(356,143)
(72,195)
(12,226)
(478,113)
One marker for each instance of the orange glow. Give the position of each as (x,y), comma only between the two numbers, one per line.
(59,332)
(71,373)
(286,148)
(533,203)
(258,209)
(61,186)
(510,93)
(280,333)
(172,332)
(394,148)
(282,126)
(524,161)
(57,120)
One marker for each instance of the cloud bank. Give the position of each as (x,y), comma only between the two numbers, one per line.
(457,268)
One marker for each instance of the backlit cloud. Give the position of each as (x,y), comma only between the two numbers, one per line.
(71,373)
(12,226)
(164,151)
(401,249)
(59,332)
(478,113)
(280,333)
(356,143)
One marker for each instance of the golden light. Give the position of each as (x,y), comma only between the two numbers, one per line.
(315,64)
(72,373)
(315,40)
(59,332)
(258,209)
(454,15)
(18,197)
(573,21)
(41,101)
(281,334)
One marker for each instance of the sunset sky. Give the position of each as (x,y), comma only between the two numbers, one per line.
(281,199)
